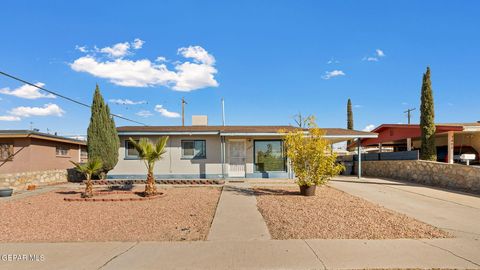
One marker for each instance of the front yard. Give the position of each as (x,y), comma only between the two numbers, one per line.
(185,213)
(333,214)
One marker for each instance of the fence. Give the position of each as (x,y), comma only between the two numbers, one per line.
(404,155)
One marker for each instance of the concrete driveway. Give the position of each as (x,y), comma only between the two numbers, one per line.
(456,212)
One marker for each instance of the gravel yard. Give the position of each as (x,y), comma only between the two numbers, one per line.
(334,214)
(183,214)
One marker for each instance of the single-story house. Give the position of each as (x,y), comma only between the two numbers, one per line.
(202,151)
(452,139)
(31,151)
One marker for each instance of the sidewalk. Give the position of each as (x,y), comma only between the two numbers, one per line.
(257,254)
(237,217)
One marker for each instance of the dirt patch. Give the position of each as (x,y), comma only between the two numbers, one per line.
(183,214)
(334,214)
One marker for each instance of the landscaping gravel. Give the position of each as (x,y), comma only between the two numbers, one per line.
(183,214)
(333,214)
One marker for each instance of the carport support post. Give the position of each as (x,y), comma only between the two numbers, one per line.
(222,155)
(450,146)
(359,151)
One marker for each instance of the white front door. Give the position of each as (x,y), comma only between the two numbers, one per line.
(237,154)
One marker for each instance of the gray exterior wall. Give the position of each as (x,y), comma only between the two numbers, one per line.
(172,166)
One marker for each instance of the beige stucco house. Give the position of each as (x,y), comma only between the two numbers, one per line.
(215,151)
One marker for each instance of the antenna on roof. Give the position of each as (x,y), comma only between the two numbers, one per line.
(223,112)
(183,111)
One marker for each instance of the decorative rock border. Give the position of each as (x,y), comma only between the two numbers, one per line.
(165,182)
(103,193)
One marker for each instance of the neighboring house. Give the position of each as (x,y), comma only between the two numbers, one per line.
(452,139)
(215,151)
(24,151)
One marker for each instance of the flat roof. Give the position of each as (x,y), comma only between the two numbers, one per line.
(38,135)
(395,132)
(235,131)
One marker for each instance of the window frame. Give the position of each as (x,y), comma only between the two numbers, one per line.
(283,154)
(62,148)
(127,156)
(10,151)
(183,156)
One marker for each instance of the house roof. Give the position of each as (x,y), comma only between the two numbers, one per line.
(234,130)
(38,135)
(397,132)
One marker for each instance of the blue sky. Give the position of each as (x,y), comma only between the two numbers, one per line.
(268,59)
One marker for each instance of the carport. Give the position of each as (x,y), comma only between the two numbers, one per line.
(404,137)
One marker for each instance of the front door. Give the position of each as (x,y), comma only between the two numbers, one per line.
(237,153)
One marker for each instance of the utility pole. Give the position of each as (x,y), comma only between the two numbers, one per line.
(408,112)
(183,111)
(409,140)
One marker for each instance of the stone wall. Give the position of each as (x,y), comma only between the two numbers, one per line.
(21,180)
(455,176)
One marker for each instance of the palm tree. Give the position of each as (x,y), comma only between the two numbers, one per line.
(150,153)
(93,166)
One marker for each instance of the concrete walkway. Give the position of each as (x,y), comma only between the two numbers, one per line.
(239,238)
(237,217)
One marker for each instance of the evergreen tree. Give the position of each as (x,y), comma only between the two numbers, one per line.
(349,123)
(349,115)
(102,139)
(428,149)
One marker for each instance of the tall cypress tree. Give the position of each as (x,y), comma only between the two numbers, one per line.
(349,115)
(102,139)
(349,122)
(428,149)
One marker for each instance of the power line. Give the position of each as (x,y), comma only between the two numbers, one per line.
(65,97)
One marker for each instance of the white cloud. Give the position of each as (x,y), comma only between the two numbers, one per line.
(46,110)
(332,74)
(126,101)
(186,76)
(138,43)
(375,58)
(82,49)
(144,113)
(9,118)
(116,51)
(379,53)
(369,127)
(358,106)
(199,54)
(165,112)
(370,59)
(404,103)
(161,59)
(27,91)
(333,61)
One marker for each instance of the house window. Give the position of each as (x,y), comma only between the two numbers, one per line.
(130,150)
(61,151)
(269,156)
(6,151)
(194,149)
(83,155)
